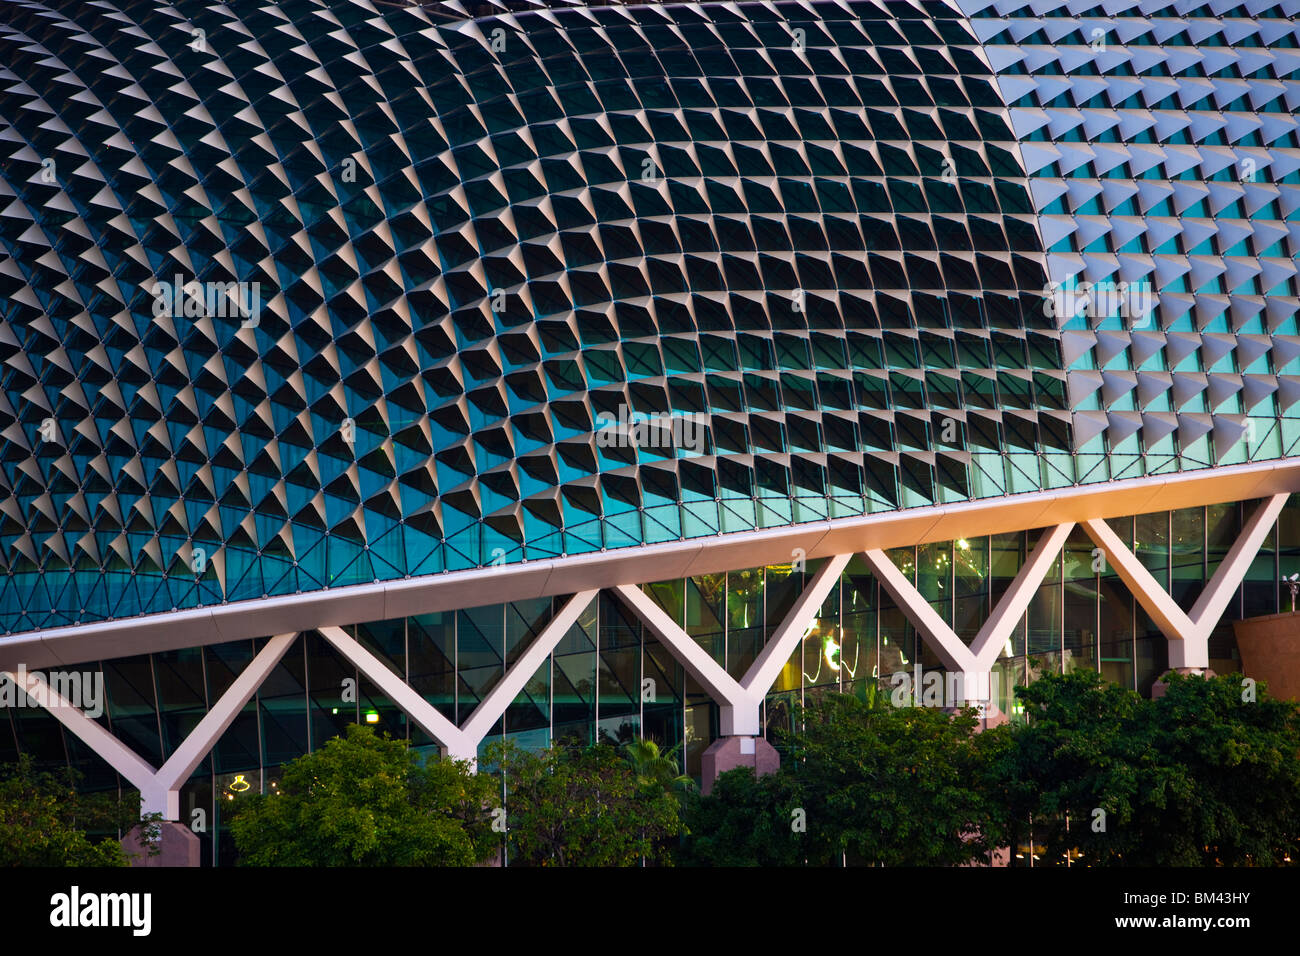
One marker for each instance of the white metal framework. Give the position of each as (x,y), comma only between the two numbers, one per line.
(739,700)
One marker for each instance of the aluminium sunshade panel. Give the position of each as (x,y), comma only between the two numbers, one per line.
(1161,139)
(808,222)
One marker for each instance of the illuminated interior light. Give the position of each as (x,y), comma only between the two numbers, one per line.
(829,650)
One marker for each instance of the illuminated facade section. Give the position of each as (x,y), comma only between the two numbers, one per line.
(578,373)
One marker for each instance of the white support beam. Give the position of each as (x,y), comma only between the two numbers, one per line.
(1011,608)
(977,661)
(427,593)
(425,715)
(955,655)
(713,677)
(740,703)
(461,743)
(1155,600)
(173,774)
(491,707)
(160,790)
(93,734)
(1209,607)
(1189,632)
(776,652)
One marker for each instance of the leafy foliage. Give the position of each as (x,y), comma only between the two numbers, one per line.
(44,821)
(893,786)
(876,785)
(583,807)
(654,768)
(744,821)
(1198,777)
(365,800)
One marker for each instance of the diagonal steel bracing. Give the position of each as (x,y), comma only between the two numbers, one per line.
(1189,632)
(973,662)
(740,702)
(462,742)
(160,790)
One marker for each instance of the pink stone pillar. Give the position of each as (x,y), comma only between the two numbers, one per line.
(178,846)
(728,753)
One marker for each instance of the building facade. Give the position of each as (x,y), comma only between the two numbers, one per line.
(584,372)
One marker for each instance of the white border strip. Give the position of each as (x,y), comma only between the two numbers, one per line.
(387,600)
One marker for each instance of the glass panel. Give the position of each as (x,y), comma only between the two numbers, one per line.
(858,652)
(1006,555)
(480,649)
(970,586)
(574,680)
(1151,544)
(1187,549)
(1044,620)
(745,619)
(282,701)
(1260,590)
(1081,601)
(705,598)
(432,650)
(334,703)
(1115,627)
(619,679)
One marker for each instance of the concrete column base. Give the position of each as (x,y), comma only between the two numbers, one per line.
(178,846)
(728,753)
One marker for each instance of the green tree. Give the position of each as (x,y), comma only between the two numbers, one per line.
(45,821)
(872,784)
(1199,777)
(655,768)
(582,807)
(365,800)
(893,786)
(744,821)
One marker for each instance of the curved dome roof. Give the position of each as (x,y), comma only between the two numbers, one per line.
(468,290)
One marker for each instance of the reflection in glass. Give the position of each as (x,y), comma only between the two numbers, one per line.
(970,563)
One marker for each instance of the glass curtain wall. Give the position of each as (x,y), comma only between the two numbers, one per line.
(609,679)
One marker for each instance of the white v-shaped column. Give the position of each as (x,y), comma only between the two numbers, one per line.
(160,790)
(740,702)
(1189,632)
(461,743)
(974,663)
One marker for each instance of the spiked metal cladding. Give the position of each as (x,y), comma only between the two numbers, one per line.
(475,239)
(1162,145)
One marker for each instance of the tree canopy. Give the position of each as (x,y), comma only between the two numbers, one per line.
(365,800)
(588,806)
(1208,774)
(45,821)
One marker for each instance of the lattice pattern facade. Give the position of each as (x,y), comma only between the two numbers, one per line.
(817,228)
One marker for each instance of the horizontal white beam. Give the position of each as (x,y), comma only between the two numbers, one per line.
(636,565)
